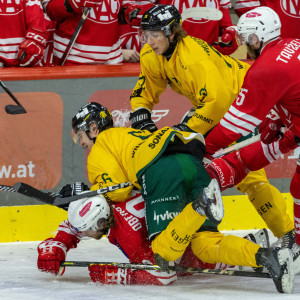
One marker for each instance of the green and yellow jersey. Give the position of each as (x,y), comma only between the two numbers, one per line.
(196,70)
(122,154)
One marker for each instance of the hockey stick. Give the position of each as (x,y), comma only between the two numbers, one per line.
(69,47)
(172,268)
(30,191)
(12,109)
(208,13)
(7,188)
(237,146)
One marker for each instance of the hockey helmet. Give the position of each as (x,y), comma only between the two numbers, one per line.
(88,213)
(89,113)
(161,18)
(262,22)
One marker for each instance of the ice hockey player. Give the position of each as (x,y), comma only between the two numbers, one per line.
(125,227)
(211,81)
(271,83)
(166,166)
(24,39)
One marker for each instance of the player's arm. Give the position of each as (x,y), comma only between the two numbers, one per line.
(146,92)
(212,97)
(52,251)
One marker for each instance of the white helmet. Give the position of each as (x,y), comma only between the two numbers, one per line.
(262,21)
(85,213)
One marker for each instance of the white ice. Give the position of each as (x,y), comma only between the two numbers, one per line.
(20,279)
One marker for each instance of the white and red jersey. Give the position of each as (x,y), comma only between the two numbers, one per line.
(16,18)
(129,234)
(287,10)
(98,41)
(273,81)
(206,30)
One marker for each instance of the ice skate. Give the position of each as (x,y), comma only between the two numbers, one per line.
(278,262)
(210,203)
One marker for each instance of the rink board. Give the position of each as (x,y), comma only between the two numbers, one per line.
(38,222)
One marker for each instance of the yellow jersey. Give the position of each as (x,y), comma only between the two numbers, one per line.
(196,70)
(121,155)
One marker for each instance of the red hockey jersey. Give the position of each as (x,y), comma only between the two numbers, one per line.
(206,30)
(98,41)
(16,18)
(129,234)
(287,10)
(273,81)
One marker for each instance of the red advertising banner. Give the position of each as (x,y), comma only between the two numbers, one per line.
(170,111)
(31,143)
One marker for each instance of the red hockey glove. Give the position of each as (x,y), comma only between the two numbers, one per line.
(31,50)
(132,14)
(51,254)
(77,5)
(107,274)
(228,43)
(270,128)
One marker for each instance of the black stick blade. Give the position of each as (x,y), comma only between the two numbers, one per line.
(15,109)
(30,191)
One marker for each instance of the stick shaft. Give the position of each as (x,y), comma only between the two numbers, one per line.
(69,47)
(237,146)
(157,268)
(9,93)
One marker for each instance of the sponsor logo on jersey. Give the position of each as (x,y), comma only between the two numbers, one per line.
(12,7)
(164,217)
(106,13)
(291,7)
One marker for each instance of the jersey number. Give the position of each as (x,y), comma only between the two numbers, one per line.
(241,97)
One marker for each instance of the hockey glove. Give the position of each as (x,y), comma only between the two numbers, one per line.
(107,274)
(132,14)
(269,128)
(77,5)
(141,119)
(73,189)
(228,43)
(51,254)
(32,49)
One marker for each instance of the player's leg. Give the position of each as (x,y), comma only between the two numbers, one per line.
(268,202)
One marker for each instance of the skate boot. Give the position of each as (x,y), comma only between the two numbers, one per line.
(278,262)
(261,237)
(210,203)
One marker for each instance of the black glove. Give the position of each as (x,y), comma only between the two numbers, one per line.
(141,119)
(73,189)
(182,127)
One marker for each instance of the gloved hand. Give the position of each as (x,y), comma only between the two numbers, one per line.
(141,119)
(269,128)
(132,14)
(51,254)
(73,189)
(32,49)
(77,5)
(182,127)
(107,274)
(228,43)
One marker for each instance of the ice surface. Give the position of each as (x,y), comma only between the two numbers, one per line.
(20,279)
